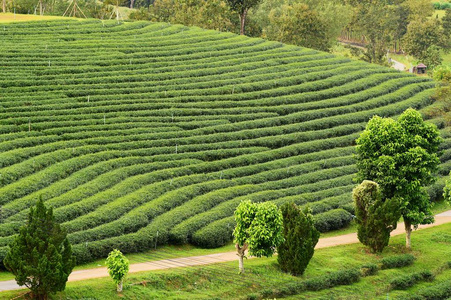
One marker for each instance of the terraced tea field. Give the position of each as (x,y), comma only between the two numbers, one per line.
(143,134)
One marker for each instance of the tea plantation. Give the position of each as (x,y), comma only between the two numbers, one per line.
(143,134)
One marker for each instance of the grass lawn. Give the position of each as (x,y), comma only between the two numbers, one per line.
(11,17)
(431,247)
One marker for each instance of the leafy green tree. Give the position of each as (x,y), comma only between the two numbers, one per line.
(299,25)
(212,14)
(377,23)
(300,236)
(258,228)
(419,10)
(432,57)
(402,157)
(422,35)
(446,22)
(242,7)
(375,217)
(40,257)
(118,266)
(443,74)
(309,23)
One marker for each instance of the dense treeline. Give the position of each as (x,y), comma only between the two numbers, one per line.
(377,25)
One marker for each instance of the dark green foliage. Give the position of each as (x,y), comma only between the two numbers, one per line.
(397,261)
(342,277)
(375,218)
(333,219)
(438,291)
(216,235)
(446,21)
(442,5)
(369,269)
(402,157)
(40,257)
(406,281)
(301,237)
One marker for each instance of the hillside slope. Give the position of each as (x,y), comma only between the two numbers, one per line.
(142,134)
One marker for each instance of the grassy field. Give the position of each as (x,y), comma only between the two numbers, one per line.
(431,248)
(11,17)
(142,134)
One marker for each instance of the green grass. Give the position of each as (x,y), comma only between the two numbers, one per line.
(431,247)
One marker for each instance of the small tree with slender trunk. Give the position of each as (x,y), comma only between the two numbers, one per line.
(118,266)
(402,157)
(242,7)
(258,229)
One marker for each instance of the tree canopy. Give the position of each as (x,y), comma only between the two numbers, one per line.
(118,267)
(242,7)
(300,239)
(402,157)
(40,257)
(258,228)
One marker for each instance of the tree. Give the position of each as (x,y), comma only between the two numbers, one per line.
(298,25)
(422,35)
(300,236)
(419,10)
(258,228)
(446,22)
(118,266)
(432,57)
(375,217)
(311,23)
(377,23)
(242,7)
(402,157)
(40,257)
(212,14)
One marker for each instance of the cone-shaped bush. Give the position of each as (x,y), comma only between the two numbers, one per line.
(375,218)
(41,257)
(301,238)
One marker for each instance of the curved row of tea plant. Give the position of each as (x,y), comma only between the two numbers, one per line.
(141,134)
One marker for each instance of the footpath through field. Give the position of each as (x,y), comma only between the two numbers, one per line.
(350,238)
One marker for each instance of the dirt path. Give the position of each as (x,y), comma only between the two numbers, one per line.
(394,64)
(350,238)
(397,65)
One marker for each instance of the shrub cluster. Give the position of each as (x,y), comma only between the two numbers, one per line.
(442,5)
(397,261)
(406,281)
(441,290)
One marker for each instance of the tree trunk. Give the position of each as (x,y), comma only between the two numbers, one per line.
(132,2)
(4,6)
(243,21)
(408,227)
(41,12)
(240,252)
(119,287)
